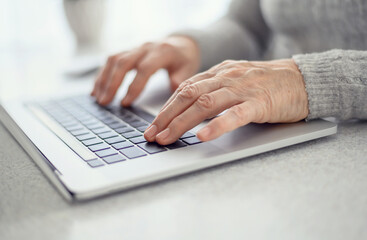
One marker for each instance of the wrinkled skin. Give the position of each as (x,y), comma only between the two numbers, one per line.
(269,91)
(259,92)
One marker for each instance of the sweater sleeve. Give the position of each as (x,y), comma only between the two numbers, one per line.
(336,83)
(240,34)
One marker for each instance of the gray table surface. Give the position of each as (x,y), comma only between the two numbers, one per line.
(314,190)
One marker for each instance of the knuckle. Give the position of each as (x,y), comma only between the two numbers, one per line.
(122,61)
(112,59)
(232,74)
(147,45)
(224,66)
(143,68)
(228,62)
(206,101)
(183,85)
(189,91)
(214,68)
(204,75)
(255,72)
(164,46)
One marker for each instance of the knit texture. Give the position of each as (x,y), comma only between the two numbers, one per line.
(313,32)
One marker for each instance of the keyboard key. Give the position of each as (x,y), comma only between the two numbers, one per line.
(122,145)
(124,130)
(123,114)
(105,153)
(81,117)
(85,136)
(115,140)
(191,140)
(99,147)
(114,159)
(80,132)
(116,125)
(132,152)
(74,127)
(143,114)
(142,128)
(92,141)
(132,134)
(107,135)
(109,120)
(101,130)
(103,115)
(94,126)
(177,144)
(187,135)
(69,123)
(152,147)
(95,163)
(64,135)
(137,140)
(129,118)
(137,123)
(90,121)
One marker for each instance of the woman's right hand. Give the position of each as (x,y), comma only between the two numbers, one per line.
(179,55)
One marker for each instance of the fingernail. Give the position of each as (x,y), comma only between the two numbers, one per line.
(204,133)
(125,101)
(151,131)
(163,135)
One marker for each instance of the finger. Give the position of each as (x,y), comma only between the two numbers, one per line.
(122,65)
(145,69)
(192,80)
(237,116)
(207,105)
(183,100)
(94,91)
(102,78)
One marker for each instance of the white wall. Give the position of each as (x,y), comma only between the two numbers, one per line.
(40,24)
(36,42)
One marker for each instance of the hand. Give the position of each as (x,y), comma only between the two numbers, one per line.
(259,92)
(179,55)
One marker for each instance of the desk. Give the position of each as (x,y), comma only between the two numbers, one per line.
(314,190)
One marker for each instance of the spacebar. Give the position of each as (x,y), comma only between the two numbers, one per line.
(64,135)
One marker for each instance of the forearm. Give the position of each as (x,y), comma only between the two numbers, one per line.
(336,83)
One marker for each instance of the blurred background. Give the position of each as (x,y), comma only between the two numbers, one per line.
(44,42)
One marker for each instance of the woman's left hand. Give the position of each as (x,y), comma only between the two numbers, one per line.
(272,91)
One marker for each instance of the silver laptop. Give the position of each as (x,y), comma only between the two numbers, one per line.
(87,151)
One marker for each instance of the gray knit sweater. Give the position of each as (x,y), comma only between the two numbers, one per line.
(326,38)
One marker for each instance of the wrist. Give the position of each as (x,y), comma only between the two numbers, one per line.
(303,97)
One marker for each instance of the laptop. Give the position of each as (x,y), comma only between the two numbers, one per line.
(88,151)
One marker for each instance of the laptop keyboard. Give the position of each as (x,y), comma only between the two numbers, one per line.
(103,135)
